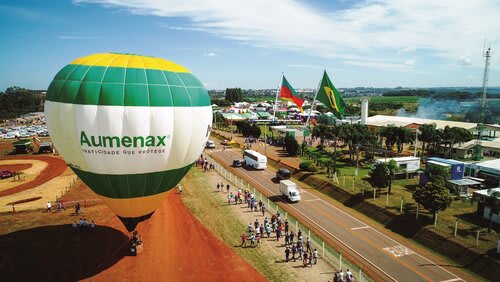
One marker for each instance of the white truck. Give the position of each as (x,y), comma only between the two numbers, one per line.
(290,190)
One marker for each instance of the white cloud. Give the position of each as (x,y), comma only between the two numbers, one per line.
(411,62)
(305,66)
(465,60)
(210,54)
(372,28)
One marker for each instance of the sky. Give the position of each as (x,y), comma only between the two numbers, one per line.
(249,44)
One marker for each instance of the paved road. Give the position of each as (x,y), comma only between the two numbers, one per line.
(394,260)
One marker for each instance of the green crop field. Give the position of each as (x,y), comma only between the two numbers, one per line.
(386,99)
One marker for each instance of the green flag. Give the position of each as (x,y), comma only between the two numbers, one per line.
(328,95)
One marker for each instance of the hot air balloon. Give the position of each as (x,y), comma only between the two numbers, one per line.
(129,126)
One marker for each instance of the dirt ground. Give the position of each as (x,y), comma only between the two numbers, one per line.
(47,179)
(179,248)
(15,167)
(55,167)
(43,246)
(28,174)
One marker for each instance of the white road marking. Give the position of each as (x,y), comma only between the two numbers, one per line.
(352,217)
(399,251)
(312,200)
(361,227)
(451,280)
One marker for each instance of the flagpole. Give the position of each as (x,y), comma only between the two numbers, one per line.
(313,102)
(276,99)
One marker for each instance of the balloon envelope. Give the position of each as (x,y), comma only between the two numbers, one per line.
(129,126)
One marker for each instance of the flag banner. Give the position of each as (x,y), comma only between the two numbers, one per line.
(288,93)
(328,95)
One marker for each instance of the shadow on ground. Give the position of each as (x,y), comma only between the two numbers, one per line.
(57,253)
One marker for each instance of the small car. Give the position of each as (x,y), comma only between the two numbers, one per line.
(224,142)
(283,174)
(237,163)
(6,174)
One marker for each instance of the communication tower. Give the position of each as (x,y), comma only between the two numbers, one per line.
(482,103)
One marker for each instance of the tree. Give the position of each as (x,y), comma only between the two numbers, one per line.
(433,196)
(493,203)
(404,136)
(326,119)
(428,134)
(234,95)
(379,175)
(291,145)
(392,168)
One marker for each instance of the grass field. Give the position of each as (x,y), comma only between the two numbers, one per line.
(226,225)
(385,99)
(461,209)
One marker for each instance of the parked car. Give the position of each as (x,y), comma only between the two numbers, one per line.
(283,174)
(6,174)
(237,163)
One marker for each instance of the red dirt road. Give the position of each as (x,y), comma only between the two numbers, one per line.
(15,167)
(177,247)
(55,167)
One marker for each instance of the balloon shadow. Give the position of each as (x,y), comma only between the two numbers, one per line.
(58,253)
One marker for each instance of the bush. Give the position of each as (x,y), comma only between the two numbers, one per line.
(304,166)
(313,168)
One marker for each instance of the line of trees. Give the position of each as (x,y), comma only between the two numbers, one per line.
(16,101)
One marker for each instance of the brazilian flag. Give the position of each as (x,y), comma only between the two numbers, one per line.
(328,95)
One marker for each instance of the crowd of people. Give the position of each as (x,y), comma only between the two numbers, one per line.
(296,248)
(204,164)
(83,225)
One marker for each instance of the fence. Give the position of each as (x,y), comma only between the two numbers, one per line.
(401,202)
(327,253)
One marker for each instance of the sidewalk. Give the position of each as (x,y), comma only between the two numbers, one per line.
(322,271)
(274,153)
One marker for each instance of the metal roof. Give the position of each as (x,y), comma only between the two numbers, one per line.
(382,120)
(464,182)
(445,161)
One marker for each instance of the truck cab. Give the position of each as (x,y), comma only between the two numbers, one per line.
(290,190)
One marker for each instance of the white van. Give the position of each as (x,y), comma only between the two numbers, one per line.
(289,190)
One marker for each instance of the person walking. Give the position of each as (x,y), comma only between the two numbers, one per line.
(249,228)
(252,240)
(263,209)
(218,186)
(228,200)
(287,238)
(60,206)
(49,207)
(227,187)
(308,244)
(304,260)
(291,237)
(243,240)
(348,275)
(268,231)
(256,223)
(335,277)
(315,256)
(299,249)
(261,229)
(341,275)
(294,251)
(287,254)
